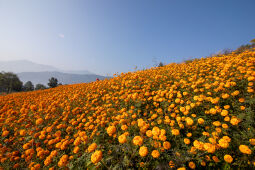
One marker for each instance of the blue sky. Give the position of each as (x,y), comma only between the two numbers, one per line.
(110,36)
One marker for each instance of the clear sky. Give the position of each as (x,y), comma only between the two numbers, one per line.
(110,36)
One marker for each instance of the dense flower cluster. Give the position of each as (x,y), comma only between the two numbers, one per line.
(186,115)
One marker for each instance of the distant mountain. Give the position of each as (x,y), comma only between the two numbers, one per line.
(64,78)
(18,66)
(39,73)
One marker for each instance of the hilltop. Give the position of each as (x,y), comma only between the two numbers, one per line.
(198,114)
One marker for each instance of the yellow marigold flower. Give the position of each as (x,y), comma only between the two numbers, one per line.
(149,133)
(227,119)
(225,96)
(39,121)
(216,123)
(122,138)
(186,141)
(245,149)
(228,158)
(210,148)
(224,112)
(96,156)
(224,125)
(76,149)
(77,141)
(223,143)
(212,140)
(189,121)
(156,131)
(189,134)
(154,116)
(22,132)
(235,93)
(215,159)
(252,141)
(111,130)
(5,133)
(124,127)
(241,100)
(143,151)
(226,138)
(251,78)
(47,161)
(242,107)
(226,107)
(92,147)
(175,132)
(155,154)
(192,165)
(166,145)
(200,121)
(234,121)
(138,140)
(213,111)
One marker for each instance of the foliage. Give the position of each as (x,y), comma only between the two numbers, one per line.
(53,82)
(9,82)
(160,64)
(28,86)
(190,115)
(40,87)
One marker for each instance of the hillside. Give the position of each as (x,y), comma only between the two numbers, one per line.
(64,78)
(190,115)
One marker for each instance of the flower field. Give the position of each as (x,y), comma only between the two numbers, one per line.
(199,114)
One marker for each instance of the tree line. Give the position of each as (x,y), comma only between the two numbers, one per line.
(10,82)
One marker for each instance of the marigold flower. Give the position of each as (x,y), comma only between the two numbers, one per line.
(175,132)
(39,121)
(245,149)
(143,151)
(192,165)
(228,158)
(252,141)
(138,140)
(111,130)
(122,138)
(189,121)
(166,145)
(156,131)
(5,133)
(155,154)
(92,147)
(96,156)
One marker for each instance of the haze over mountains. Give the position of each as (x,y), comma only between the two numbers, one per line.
(39,73)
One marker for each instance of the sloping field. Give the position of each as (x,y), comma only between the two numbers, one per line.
(197,114)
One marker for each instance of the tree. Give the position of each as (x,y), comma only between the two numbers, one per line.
(40,87)
(160,64)
(28,86)
(10,82)
(53,82)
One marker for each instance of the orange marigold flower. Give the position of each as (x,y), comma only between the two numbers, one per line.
(143,151)
(138,140)
(166,145)
(155,154)
(245,149)
(122,138)
(228,158)
(92,147)
(96,156)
